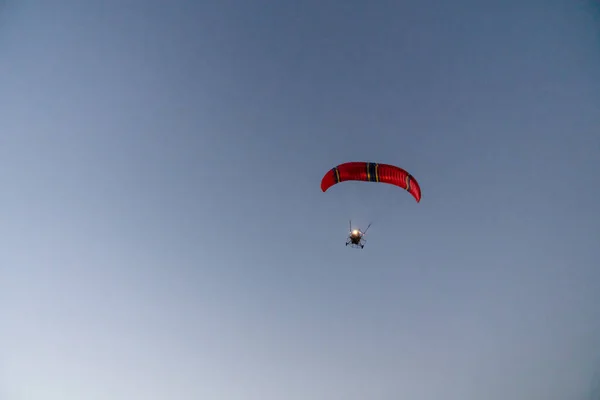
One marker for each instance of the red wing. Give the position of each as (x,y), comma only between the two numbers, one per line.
(372,172)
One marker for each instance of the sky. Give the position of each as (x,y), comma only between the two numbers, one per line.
(163,232)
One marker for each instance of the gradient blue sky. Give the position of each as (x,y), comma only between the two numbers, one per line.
(164,235)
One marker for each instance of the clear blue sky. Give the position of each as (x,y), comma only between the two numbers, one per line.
(163,233)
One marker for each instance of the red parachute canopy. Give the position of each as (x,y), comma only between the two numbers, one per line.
(372,172)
